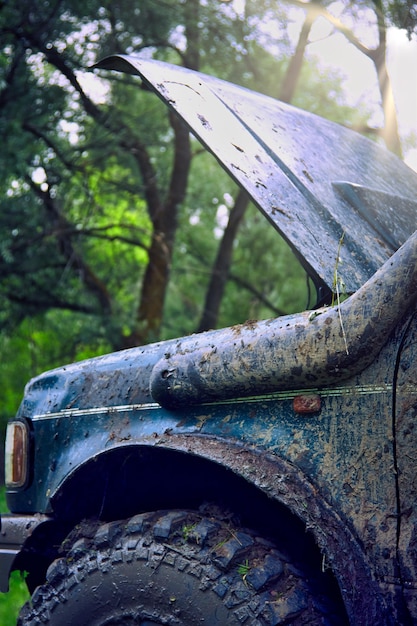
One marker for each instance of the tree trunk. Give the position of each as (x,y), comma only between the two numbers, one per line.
(292,75)
(164,221)
(62,230)
(379,55)
(164,215)
(221,267)
(192,34)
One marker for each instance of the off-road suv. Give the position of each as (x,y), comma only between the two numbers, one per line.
(261,474)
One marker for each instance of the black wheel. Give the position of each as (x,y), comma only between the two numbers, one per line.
(177,568)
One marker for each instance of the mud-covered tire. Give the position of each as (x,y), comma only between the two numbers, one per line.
(176,568)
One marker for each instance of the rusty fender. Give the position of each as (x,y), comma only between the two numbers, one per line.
(310,349)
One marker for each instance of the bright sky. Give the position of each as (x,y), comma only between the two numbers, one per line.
(361,82)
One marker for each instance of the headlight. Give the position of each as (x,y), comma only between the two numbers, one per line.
(16,454)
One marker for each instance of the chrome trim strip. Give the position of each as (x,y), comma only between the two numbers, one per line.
(371,389)
(121,408)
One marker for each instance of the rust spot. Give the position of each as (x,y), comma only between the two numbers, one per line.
(307,403)
(251,324)
(204,121)
(308,175)
(276,209)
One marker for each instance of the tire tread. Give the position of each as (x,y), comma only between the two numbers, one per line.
(254,580)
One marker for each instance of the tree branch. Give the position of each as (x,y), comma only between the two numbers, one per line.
(49,303)
(61,229)
(258,294)
(44,137)
(320,11)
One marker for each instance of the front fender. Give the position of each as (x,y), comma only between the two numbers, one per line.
(203,458)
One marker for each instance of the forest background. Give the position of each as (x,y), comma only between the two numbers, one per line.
(116,227)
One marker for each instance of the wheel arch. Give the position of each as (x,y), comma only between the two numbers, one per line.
(180,471)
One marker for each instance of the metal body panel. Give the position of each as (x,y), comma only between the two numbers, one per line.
(327,446)
(405,463)
(337,464)
(288,160)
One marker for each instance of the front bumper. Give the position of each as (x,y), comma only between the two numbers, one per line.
(15,532)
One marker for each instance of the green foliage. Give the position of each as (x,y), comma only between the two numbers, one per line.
(3,504)
(12,602)
(243,570)
(86,179)
(40,343)
(263,260)
(403,14)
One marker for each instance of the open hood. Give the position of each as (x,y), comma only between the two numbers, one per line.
(316,181)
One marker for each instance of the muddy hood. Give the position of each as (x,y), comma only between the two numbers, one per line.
(315,180)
